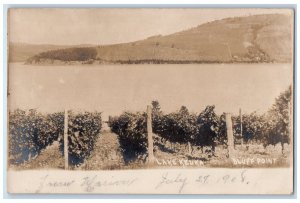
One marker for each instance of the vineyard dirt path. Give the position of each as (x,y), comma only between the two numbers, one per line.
(106,154)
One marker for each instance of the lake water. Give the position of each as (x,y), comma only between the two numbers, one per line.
(116,88)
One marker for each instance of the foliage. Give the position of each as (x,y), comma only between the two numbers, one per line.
(208,128)
(69,54)
(253,127)
(132,131)
(177,127)
(269,128)
(83,130)
(278,119)
(31,132)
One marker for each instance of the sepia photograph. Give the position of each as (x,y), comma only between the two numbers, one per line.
(189,100)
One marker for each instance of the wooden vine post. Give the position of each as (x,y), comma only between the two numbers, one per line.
(66,153)
(150,135)
(230,139)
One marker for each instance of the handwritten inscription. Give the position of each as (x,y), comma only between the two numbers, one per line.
(45,182)
(178,182)
(181,181)
(88,183)
(223,179)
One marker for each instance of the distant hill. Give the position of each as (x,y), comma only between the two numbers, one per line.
(258,38)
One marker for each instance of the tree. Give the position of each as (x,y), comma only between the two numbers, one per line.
(157,117)
(156,107)
(208,122)
(253,124)
(132,134)
(176,127)
(278,118)
(184,110)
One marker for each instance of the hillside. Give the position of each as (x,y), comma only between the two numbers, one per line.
(259,38)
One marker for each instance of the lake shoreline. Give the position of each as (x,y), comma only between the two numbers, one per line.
(77,63)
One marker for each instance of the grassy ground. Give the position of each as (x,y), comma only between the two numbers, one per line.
(49,158)
(248,155)
(107,155)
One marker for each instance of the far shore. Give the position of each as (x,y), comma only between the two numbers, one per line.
(96,62)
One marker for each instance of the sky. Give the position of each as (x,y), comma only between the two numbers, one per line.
(109,26)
